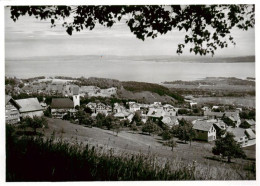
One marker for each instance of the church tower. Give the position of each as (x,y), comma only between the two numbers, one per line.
(76,96)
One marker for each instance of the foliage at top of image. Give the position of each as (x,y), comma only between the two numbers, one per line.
(207,27)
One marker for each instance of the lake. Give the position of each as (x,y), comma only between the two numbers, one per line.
(128,70)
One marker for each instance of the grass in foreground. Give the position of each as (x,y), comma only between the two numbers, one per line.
(36,159)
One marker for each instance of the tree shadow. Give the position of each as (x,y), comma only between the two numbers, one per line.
(214,158)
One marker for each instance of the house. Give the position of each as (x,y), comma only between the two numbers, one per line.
(92,106)
(234,116)
(104,109)
(170,121)
(193,104)
(239,135)
(119,108)
(215,107)
(30,107)
(205,130)
(155,105)
(124,115)
(62,106)
(220,124)
(205,108)
(133,106)
(156,112)
(213,115)
(12,115)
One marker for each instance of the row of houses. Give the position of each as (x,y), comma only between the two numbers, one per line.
(207,131)
(66,89)
(205,126)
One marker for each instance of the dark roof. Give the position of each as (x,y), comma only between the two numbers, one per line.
(62,103)
(29,104)
(75,90)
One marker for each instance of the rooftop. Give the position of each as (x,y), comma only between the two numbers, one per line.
(202,125)
(62,103)
(29,104)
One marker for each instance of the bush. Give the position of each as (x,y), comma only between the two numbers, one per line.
(166,135)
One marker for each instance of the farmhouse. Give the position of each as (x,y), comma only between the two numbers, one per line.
(30,107)
(205,130)
(239,135)
(61,107)
(234,116)
(170,121)
(133,106)
(12,115)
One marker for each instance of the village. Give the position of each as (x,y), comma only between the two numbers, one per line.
(66,103)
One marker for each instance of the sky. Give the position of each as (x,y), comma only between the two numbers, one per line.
(29,37)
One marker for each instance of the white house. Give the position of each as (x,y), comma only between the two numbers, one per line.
(205,130)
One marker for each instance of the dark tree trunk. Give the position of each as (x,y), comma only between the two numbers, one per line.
(229,159)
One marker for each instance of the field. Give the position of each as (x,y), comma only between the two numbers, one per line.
(134,143)
(240,101)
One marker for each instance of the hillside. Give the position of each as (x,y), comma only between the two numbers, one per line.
(150,87)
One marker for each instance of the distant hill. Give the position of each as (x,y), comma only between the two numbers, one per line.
(123,59)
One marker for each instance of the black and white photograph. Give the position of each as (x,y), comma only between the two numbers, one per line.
(129,92)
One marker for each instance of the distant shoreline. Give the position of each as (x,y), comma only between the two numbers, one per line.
(171,59)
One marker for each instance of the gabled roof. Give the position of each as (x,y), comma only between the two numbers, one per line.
(235,115)
(29,105)
(10,99)
(238,132)
(202,125)
(250,133)
(250,121)
(62,103)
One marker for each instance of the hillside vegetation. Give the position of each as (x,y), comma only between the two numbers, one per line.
(37,159)
(155,88)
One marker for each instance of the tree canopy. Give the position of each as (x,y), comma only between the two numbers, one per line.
(207,27)
(228,147)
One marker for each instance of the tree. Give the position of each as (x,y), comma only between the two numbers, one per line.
(87,120)
(80,114)
(166,135)
(88,110)
(110,122)
(137,118)
(228,147)
(185,131)
(208,27)
(116,127)
(35,122)
(171,143)
(133,127)
(47,112)
(100,120)
(149,127)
